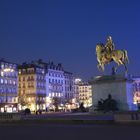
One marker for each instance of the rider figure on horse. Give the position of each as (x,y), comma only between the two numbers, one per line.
(109,47)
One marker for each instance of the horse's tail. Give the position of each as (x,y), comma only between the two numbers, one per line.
(126,56)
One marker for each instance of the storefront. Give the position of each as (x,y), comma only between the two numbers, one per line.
(9,108)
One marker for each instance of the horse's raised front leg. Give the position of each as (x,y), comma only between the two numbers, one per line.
(100,67)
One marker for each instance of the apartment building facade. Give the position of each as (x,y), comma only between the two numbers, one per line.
(8,86)
(85,94)
(31,87)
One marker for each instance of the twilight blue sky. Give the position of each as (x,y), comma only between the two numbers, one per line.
(67,31)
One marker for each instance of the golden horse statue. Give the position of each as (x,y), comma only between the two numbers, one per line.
(104,57)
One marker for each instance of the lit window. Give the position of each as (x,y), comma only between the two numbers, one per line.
(1,81)
(2,66)
(5,81)
(29,99)
(23,78)
(43,71)
(2,73)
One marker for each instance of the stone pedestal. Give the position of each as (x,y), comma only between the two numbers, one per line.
(119,87)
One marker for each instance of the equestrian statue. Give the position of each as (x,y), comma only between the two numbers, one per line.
(107,53)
